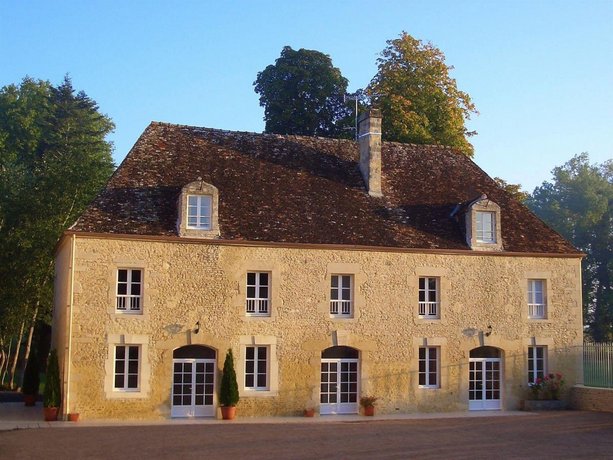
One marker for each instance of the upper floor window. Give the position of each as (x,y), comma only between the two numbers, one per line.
(429,303)
(537,299)
(258,294)
(483,225)
(199,212)
(486,227)
(341,295)
(537,363)
(256,368)
(129,290)
(127,366)
(429,367)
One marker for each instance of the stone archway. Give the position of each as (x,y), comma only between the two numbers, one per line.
(193,381)
(340,375)
(485,379)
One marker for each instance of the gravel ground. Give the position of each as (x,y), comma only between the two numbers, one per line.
(566,434)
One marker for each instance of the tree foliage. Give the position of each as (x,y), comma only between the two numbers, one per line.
(578,203)
(419,101)
(53,160)
(512,189)
(302,93)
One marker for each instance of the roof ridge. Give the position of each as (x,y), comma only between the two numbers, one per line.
(298,136)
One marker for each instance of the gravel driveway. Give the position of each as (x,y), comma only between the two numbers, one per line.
(567,434)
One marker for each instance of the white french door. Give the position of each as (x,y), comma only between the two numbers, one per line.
(339,386)
(484,390)
(193,387)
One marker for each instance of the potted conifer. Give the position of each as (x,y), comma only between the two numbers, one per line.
(228,390)
(31,380)
(52,397)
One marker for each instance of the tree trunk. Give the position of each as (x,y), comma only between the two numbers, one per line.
(16,356)
(6,362)
(2,358)
(26,355)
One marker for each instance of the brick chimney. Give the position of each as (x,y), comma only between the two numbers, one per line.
(369,137)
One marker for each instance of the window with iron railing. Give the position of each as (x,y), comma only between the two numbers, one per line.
(341,296)
(537,299)
(129,290)
(429,304)
(258,294)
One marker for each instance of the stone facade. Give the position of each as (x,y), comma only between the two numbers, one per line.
(591,398)
(194,285)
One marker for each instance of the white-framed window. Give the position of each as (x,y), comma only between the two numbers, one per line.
(537,363)
(258,294)
(486,227)
(199,209)
(429,303)
(429,367)
(127,368)
(537,299)
(256,368)
(341,295)
(129,290)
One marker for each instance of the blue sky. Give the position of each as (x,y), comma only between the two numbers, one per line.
(539,72)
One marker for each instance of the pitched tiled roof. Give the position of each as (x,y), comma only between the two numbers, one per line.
(297,189)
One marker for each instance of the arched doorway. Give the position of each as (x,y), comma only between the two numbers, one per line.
(485,379)
(193,381)
(340,372)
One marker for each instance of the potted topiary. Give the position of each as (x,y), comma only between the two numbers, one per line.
(52,397)
(31,380)
(368,404)
(228,390)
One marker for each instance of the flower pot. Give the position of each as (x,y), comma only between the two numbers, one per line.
(228,412)
(51,413)
(369,411)
(30,400)
(309,412)
(74,417)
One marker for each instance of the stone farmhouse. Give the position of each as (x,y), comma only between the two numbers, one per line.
(332,268)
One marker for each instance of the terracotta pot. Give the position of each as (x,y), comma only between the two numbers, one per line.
(228,412)
(309,412)
(369,411)
(51,413)
(74,417)
(30,400)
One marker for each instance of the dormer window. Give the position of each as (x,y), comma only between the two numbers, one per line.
(198,210)
(486,227)
(483,225)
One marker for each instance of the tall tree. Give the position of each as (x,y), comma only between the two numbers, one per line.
(419,101)
(512,189)
(302,93)
(53,160)
(579,205)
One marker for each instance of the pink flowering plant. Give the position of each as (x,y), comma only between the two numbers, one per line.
(547,387)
